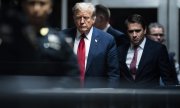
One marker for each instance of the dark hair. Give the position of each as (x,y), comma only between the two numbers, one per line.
(100,9)
(135,18)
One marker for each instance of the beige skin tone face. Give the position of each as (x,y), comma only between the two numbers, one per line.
(136,33)
(37,10)
(83,20)
(157,34)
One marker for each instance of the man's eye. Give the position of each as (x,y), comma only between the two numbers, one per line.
(158,34)
(86,18)
(132,31)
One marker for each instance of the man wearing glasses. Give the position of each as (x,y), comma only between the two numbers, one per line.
(156,32)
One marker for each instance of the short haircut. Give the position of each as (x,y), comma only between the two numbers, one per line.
(155,25)
(135,18)
(84,6)
(100,9)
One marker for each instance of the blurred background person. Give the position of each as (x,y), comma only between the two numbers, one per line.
(102,22)
(156,32)
(34,47)
(98,60)
(37,12)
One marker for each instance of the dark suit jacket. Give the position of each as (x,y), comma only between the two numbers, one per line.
(102,60)
(119,37)
(154,63)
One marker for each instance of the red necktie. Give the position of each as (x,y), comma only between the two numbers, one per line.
(81,57)
(133,63)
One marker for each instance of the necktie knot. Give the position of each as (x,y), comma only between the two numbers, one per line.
(82,36)
(135,47)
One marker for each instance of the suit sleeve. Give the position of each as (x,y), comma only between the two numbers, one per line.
(113,65)
(167,72)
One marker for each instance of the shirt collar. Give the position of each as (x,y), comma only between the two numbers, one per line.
(88,35)
(141,45)
(106,28)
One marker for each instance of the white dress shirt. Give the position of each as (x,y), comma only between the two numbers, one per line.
(130,54)
(87,41)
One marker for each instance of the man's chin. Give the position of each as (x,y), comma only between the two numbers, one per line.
(83,30)
(135,42)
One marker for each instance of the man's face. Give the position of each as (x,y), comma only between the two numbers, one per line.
(157,34)
(83,20)
(99,22)
(136,33)
(37,10)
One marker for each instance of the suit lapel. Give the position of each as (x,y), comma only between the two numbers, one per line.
(93,48)
(73,36)
(125,56)
(144,57)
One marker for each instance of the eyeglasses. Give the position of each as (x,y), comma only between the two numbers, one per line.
(158,34)
(132,31)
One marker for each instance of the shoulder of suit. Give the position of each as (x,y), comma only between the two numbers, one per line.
(102,33)
(153,43)
(115,32)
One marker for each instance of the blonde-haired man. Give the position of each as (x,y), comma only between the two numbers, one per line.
(99,62)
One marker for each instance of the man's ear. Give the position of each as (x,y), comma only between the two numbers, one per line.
(94,19)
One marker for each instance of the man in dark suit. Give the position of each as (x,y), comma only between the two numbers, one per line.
(156,32)
(102,22)
(100,49)
(143,61)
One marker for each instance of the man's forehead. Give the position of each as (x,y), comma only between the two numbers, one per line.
(83,12)
(134,25)
(156,29)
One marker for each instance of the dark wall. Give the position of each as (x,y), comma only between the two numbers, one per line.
(118,16)
(71,3)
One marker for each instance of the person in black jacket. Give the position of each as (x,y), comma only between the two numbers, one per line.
(156,32)
(102,22)
(143,61)
(31,46)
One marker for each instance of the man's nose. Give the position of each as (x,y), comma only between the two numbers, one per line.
(37,7)
(82,20)
(134,34)
(159,37)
